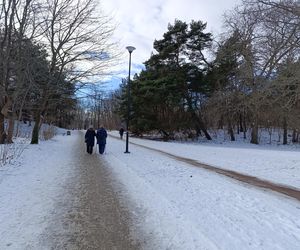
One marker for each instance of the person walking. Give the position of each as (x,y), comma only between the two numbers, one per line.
(101,139)
(121,132)
(90,139)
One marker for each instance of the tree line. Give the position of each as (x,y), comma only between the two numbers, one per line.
(244,80)
(48,50)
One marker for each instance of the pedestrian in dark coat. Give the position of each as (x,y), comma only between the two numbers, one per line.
(101,139)
(90,139)
(121,132)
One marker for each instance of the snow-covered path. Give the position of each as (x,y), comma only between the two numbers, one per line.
(62,198)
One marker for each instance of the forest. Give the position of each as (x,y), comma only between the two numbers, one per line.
(54,52)
(244,80)
(49,50)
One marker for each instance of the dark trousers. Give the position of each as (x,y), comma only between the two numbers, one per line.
(89,148)
(101,148)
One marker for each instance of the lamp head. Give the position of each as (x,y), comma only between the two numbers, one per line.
(130,49)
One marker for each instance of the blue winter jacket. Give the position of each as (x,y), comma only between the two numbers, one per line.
(90,137)
(101,136)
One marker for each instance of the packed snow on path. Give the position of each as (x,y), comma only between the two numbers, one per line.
(175,205)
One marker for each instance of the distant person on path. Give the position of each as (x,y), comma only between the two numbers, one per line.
(90,139)
(121,132)
(101,139)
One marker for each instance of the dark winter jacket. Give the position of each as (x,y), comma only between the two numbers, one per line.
(90,137)
(121,131)
(101,136)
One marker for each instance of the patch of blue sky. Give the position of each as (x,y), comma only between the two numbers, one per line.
(97,55)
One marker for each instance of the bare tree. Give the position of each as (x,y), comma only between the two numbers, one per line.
(267,38)
(78,41)
(291,6)
(7,16)
(18,22)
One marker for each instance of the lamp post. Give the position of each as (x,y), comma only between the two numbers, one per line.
(130,50)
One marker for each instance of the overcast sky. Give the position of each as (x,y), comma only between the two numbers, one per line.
(140,22)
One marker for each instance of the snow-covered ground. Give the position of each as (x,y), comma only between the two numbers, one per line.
(29,190)
(190,208)
(280,164)
(183,207)
(9,153)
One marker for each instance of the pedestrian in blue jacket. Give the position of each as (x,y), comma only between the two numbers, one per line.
(101,136)
(90,139)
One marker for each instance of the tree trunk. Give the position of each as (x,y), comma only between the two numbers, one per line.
(241,124)
(230,131)
(206,134)
(244,127)
(10,130)
(295,137)
(200,124)
(220,123)
(2,130)
(21,110)
(203,128)
(254,135)
(166,136)
(36,129)
(198,131)
(254,132)
(197,118)
(285,131)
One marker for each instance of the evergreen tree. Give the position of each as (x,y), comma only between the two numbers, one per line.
(168,94)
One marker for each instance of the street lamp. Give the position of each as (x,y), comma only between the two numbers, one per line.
(130,50)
